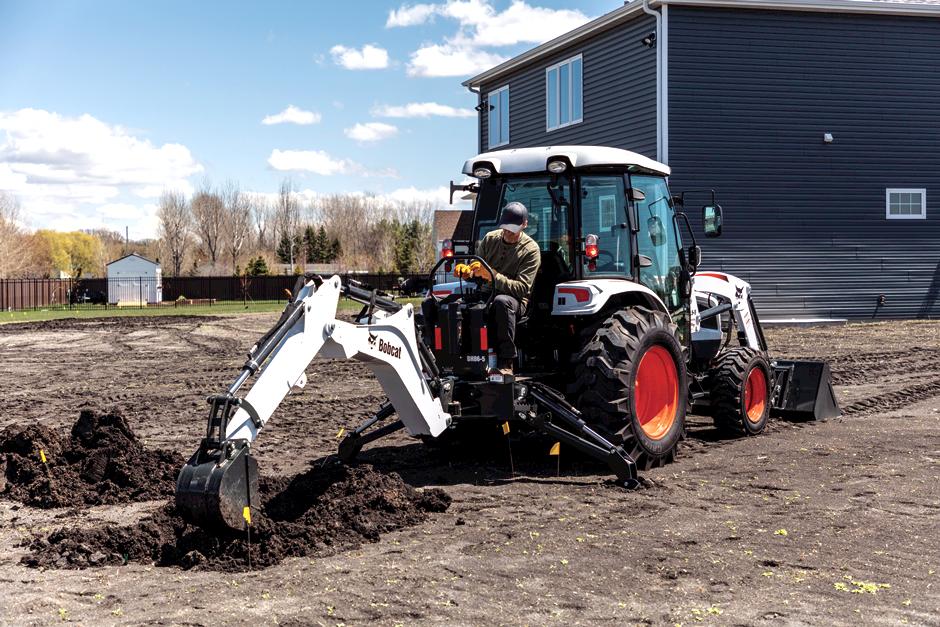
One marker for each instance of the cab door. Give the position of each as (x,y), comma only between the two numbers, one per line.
(659,243)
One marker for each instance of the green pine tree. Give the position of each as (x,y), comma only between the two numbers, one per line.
(323,246)
(311,245)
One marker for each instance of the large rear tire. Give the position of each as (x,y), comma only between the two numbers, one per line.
(631,381)
(739,387)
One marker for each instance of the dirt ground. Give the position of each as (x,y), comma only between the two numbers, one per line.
(834,523)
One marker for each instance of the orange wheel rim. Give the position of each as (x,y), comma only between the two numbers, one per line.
(656,392)
(755,395)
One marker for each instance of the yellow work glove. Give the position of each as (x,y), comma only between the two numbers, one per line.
(478,270)
(462,271)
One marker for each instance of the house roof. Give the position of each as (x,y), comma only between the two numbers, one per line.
(632,8)
(133,255)
(453,224)
(526,160)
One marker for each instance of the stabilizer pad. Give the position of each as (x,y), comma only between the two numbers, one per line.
(213,494)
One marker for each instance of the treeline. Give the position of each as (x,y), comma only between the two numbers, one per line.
(222,230)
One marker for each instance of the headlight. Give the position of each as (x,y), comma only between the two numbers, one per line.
(482,173)
(557,167)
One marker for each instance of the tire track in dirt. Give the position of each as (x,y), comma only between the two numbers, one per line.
(860,369)
(891,401)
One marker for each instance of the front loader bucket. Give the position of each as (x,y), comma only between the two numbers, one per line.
(804,391)
(214,489)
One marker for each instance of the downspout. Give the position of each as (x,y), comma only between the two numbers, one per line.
(479,118)
(661,36)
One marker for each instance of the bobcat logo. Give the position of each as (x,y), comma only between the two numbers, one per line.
(372,339)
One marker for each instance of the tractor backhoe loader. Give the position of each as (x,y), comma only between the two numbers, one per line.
(623,334)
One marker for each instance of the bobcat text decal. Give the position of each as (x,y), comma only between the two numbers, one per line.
(389,349)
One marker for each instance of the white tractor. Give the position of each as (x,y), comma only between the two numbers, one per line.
(622,335)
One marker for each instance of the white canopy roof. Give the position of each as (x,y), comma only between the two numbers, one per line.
(527,160)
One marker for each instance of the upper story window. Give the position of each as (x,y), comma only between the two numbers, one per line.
(906,204)
(563,94)
(498,120)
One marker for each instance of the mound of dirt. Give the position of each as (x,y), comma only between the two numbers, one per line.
(316,513)
(99,462)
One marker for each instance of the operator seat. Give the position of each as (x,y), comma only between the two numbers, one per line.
(552,270)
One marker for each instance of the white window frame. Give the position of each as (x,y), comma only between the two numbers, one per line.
(489,103)
(548,121)
(906,190)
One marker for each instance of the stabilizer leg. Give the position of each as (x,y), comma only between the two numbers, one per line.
(354,441)
(581,436)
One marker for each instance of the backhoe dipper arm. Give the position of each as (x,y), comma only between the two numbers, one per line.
(221,478)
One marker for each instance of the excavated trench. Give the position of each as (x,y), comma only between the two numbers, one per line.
(313,514)
(99,462)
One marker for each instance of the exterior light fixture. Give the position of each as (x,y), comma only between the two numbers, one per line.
(482,173)
(557,167)
(650,40)
(828,138)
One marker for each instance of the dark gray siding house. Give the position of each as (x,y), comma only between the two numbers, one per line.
(817,123)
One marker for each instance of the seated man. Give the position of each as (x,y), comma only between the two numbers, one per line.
(515,258)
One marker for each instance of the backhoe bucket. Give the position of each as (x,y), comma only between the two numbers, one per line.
(214,489)
(804,391)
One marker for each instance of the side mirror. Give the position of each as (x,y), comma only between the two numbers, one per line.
(636,195)
(711,220)
(695,256)
(656,230)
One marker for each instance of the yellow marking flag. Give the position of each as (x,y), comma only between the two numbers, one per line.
(246,514)
(506,428)
(42,455)
(556,449)
(340,433)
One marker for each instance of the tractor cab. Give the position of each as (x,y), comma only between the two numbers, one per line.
(598,222)
(606,226)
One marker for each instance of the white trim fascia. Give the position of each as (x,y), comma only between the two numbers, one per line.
(628,10)
(906,190)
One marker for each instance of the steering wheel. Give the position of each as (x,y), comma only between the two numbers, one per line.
(475,280)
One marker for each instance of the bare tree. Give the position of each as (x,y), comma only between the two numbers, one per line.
(175,227)
(14,244)
(287,216)
(208,211)
(261,215)
(237,220)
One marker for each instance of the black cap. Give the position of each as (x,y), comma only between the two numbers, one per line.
(513,217)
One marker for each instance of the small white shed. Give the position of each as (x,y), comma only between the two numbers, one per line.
(134,279)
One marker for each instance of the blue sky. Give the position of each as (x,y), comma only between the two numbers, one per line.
(105,104)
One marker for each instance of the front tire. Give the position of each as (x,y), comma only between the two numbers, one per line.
(631,380)
(739,386)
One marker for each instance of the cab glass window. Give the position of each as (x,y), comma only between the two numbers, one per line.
(658,240)
(604,214)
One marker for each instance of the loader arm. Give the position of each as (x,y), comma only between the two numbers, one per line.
(220,480)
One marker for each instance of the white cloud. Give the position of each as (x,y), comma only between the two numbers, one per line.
(522,23)
(62,167)
(371,131)
(315,161)
(293,115)
(368,58)
(451,60)
(410,15)
(421,110)
(480,25)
